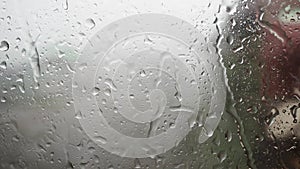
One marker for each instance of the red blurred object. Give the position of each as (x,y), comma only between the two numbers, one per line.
(280,47)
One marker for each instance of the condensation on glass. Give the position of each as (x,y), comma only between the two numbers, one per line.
(149,84)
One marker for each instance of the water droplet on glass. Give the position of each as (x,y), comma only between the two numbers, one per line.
(16,139)
(3,65)
(66,5)
(137,163)
(82,66)
(143,73)
(23,52)
(222,156)
(78,115)
(3,99)
(131,96)
(18,39)
(287,9)
(95,91)
(21,88)
(90,23)
(61,54)
(229,39)
(107,92)
(101,139)
(4,46)
(104,101)
(111,84)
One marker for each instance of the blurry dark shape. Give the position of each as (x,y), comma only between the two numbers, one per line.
(280,55)
(280,47)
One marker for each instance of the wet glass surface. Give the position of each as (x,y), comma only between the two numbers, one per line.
(149,84)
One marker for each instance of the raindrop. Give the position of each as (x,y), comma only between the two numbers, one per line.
(115,109)
(21,86)
(82,66)
(294,111)
(35,62)
(3,65)
(61,54)
(18,39)
(101,139)
(78,115)
(222,156)
(90,23)
(3,99)
(69,67)
(95,91)
(16,139)
(143,73)
(23,52)
(20,79)
(131,96)
(111,84)
(13,87)
(66,5)
(4,46)
(228,136)
(104,101)
(137,163)
(230,39)
(107,92)
(287,9)
(172,125)
(4,90)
